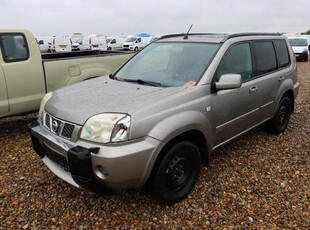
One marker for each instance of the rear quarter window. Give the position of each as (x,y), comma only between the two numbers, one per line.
(14,47)
(282,52)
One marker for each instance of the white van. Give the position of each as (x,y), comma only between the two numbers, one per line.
(61,44)
(115,43)
(44,43)
(137,42)
(76,37)
(94,42)
(300,46)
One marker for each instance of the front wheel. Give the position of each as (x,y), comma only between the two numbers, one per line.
(282,117)
(136,49)
(176,173)
(306,58)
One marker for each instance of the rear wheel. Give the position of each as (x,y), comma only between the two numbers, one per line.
(176,173)
(282,117)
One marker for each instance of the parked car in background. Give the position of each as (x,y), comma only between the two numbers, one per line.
(94,42)
(300,47)
(61,44)
(136,42)
(308,39)
(44,44)
(76,46)
(76,36)
(115,42)
(161,115)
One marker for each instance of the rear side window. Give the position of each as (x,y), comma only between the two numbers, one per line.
(265,57)
(282,51)
(14,47)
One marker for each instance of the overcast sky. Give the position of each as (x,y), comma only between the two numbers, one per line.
(112,17)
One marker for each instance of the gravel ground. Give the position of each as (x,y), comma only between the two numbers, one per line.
(259,181)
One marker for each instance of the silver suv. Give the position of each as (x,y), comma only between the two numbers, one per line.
(155,120)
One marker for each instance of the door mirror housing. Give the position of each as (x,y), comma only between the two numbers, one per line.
(229,81)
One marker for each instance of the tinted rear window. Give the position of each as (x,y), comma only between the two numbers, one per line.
(282,52)
(265,57)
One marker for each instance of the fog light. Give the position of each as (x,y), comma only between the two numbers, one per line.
(103,171)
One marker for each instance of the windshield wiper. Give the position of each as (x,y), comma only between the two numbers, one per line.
(143,82)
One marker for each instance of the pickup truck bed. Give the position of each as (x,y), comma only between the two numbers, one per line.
(26,75)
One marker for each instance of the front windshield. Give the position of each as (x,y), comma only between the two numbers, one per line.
(297,42)
(132,39)
(169,64)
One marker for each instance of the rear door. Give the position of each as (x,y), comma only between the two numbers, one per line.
(268,78)
(62,44)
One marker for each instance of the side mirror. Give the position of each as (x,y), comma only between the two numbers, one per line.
(229,81)
(41,42)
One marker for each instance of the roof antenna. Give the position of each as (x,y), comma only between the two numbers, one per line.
(186,35)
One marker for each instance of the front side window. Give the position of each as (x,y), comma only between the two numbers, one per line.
(14,47)
(237,60)
(169,64)
(265,57)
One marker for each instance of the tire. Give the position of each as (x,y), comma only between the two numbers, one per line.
(136,49)
(109,48)
(280,121)
(176,173)
(306,58)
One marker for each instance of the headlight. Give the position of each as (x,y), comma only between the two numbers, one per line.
(106,127)
(44,101)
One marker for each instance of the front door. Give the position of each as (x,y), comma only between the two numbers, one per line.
(235,110)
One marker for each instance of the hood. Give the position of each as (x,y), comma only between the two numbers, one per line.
(77,102)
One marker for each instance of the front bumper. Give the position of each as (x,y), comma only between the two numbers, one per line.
(95,167)
(302,55)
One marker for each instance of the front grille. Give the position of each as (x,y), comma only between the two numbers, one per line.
(67,130)
(58,127)
(126,46)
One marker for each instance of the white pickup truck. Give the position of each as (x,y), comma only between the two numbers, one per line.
(26,75)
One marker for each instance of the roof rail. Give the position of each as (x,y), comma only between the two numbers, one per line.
(226,36)
(251,34)
(192,34)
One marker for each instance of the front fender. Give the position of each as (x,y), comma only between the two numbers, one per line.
(182,122)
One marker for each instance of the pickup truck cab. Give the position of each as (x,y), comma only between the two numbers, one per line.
(163,113)
(26,75)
